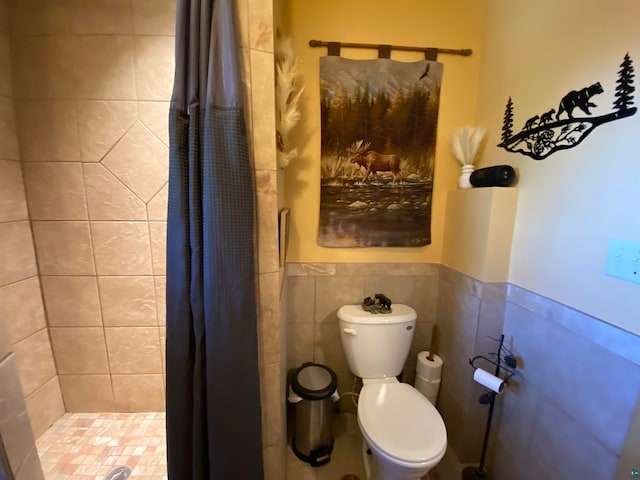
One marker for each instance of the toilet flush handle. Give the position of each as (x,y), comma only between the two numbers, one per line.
(350,331)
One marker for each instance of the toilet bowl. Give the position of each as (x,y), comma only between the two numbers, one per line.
(404,435)
(403,430)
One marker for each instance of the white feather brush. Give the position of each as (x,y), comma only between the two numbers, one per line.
(288,92)
(466,143)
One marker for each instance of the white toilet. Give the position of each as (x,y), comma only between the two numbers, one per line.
(402,429)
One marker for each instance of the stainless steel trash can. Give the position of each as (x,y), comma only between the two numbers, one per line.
(313,391)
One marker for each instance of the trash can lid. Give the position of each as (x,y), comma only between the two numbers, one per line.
(313,381)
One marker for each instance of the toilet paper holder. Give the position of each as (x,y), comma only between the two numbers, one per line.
(479,473)
(509,359)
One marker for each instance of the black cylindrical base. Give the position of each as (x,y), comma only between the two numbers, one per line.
(474,473)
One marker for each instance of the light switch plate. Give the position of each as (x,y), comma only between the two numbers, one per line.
(623,260)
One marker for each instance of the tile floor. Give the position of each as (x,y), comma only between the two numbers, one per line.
(346,458)
(88,446)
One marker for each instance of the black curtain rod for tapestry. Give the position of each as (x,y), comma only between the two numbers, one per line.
(319,43)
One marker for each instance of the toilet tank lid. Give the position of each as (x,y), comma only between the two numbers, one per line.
(356,314)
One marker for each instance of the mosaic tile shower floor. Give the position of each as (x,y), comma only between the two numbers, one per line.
(88,446)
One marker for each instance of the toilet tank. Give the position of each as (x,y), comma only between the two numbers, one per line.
(376,345)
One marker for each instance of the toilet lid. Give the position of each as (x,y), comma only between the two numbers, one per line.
(401,422)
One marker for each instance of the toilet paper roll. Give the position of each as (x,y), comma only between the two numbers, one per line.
(485,379)
(427,388)
(429,369)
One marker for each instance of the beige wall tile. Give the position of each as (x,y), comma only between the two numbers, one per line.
(242,8)
(267,218)
(122,248)
(14,420)
(108,198)
(269,331)
(79,350)
(13,203)
(138,393)
(55,191)
(163,348)
(5,348)
(275,462)
(100,16)
(128,301)
(155,59)
(398,289)
(335,292)
(425,298)
(31,468)
(45,406)
(248,107)
(64,248)
(48,130)
(328,346)
(155,116)
(301,299)
(101,124)
(6,87)
(108,76)
(154,17)
(140,161)
(72,301)
(263,110)
(158,232)
(261,22)
(157,206)
(17,256)
(43,67)
(300,344)
(35,361)
(133,350)
(87,393)
(9,149)
(270,387)
(161,298)
(38,17)
(22,310)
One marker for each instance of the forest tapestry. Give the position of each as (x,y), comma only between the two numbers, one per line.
(379,122)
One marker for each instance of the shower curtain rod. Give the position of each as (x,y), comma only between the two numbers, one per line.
(465,52)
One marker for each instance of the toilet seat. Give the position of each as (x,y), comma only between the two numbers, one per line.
(401,423)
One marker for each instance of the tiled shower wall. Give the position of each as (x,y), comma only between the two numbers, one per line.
(92,80)
(29,391)
(93,83)
(316,291)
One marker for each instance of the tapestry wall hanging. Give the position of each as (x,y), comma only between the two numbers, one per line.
(379,122)
(571,123)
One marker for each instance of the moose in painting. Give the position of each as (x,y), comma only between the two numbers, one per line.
(374,162)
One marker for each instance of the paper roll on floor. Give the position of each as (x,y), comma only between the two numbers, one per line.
(430,370)
(485,379)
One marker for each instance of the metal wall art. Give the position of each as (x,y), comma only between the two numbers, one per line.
(569,124)
(378,121)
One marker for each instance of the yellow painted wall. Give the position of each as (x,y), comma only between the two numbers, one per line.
(571,204)
(478,232)
(424,23)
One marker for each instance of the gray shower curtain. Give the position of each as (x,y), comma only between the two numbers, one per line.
(213,394)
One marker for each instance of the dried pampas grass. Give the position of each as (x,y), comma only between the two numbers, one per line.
(466,143)
(288,92)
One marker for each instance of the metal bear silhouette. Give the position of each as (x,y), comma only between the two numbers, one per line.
(579,99)
(544,134)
